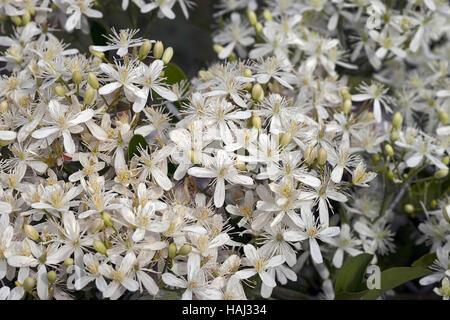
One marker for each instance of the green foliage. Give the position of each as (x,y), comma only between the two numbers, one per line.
(136,140)
(173,73)
(350,277)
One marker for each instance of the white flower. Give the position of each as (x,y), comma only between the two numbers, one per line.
(76,9)
(375,92)
(120,41)
(121,275)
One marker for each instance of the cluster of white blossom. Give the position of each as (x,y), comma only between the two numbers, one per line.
(114,179)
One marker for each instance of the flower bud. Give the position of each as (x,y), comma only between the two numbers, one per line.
(258,28)
(52,276)
(285,139)
(409,208)
(376,157)
(446,160)
(446,212)
(68,262)
(256,121)
(217,48)
(158,50)
(100,247)
(257,92)
(240,165)
(267,15)
(167,56)
(144,50)
(96,53)
(107,219)
(60,91)
(29,283)
(185,250)
(443,117)
(439,174)
(26,17)
(232,57)
(248,73)
(77,77)
(92,80)
(16,20)
(397,120)
(31,232)
(433,203)
(252,17)
(390,174)
(394,135)
(172,250)
(344,93)
(322,157)
(389,150)
(89,95)
(347,106)
(369,116)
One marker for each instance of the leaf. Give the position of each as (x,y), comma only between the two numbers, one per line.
(351,275)
(136,140)
(97,32)
(350,295)
(173,73)
(395,277)
(425,261)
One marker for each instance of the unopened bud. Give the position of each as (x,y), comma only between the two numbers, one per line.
(68,262)
(29,283)
(409,208)
(441,174)
(172,250)
(26,17)
(248,73)
(185,250)
(443,117)
(285,139)
(347,106)
(52,276)
(96,53)
(167,56)
(322,157)
(158,50)
(31,232)
(256,121)
(92,80)
(144,50)
(390,175)
(394,135)
(77,77)
(376,157)
(240,165)
(100,247)
(60,91)
(259,28)
(252,17)
(310,154)
(16,20)
(217,48)
(107,219)
(267,15)
(3,106)
(389,150)
(397,120)
(446,160)
(433,203)
(257,92)
(89,95)
(344,93)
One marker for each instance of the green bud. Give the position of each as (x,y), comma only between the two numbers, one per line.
(60,91)
(52,276)
(256,121)
(433,203)
(252,17)
(259,28)
(68,262)
(77,77)
(439,174)
(397,120)
(172,250)
(26,17)
(240,165)
(376,157)
(185,250)
(258,92)
(29,283)
(446,160)
(390,175)
(285,139)
(267,15)
(100,247)
(389,150)
(16,20)
(217,48)
(310,154)
(394,135)
(89,95)
(347,106)
(248,73)
(409,208)
(443,117)
(93,81)
(167,56)
(144,50)
(3,106)
(322,157)
(158,50)
(107,219)
(31,232)
(96,53)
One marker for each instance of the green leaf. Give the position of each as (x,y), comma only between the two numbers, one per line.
(351,275)
(350,295)
(97,32)
(136,140)
(395,277)
(173,73)
(425,261)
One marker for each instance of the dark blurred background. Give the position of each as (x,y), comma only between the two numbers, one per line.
(190,38)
